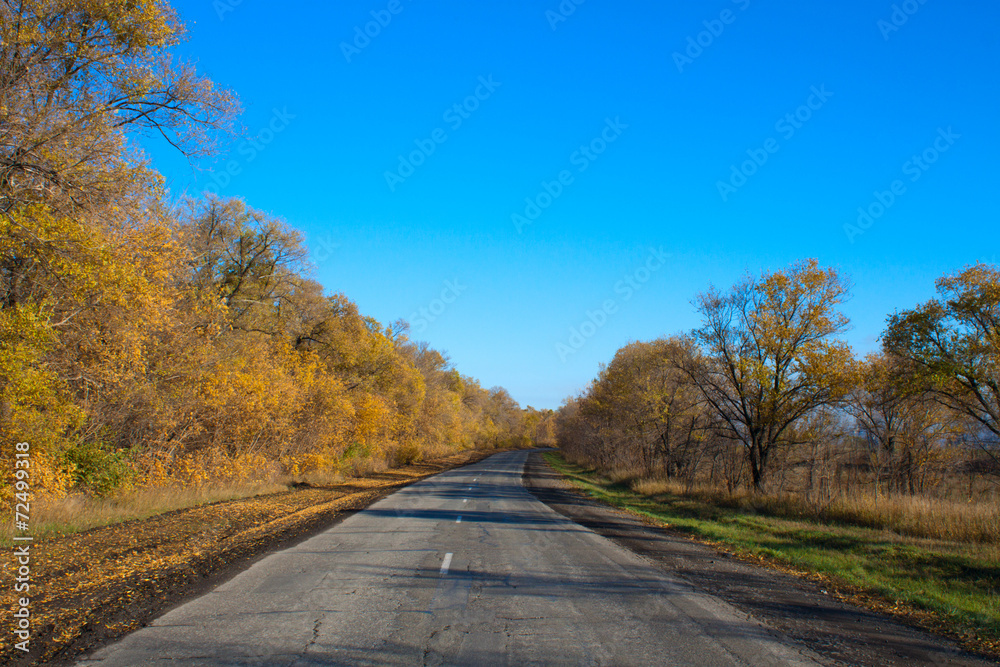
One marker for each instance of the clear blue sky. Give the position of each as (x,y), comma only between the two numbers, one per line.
(889,95)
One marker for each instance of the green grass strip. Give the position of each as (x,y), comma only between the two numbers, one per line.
(958,582)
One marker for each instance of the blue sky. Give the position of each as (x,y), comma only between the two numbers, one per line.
(643,108)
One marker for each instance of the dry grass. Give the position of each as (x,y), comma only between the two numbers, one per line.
(920,516)
(74,513)
(623,475)
(53,517)
(915,516)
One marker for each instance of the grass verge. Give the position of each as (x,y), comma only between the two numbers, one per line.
(949,587)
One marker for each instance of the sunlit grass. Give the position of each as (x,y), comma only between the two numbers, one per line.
(914,515)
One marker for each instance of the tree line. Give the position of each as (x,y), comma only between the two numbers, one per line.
(766,394)
(143,342)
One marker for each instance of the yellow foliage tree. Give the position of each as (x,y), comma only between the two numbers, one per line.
(772,356)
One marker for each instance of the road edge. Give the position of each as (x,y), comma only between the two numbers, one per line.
(796,607)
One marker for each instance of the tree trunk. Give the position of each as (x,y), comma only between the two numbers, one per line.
(757,460)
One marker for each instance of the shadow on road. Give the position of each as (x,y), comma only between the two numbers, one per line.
(796,607)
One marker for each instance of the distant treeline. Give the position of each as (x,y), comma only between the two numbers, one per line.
(147,344)
(765,393)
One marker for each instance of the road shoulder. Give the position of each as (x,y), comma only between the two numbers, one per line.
(798,608)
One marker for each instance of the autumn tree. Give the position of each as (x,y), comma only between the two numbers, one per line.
(904,428)
(772,356)
(579,437)
(650,413)
(86,249)
(953,342)
(178,346)
(76,77)
(251,261)
(540,426)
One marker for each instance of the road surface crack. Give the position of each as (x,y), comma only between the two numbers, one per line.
(315,635)
(428,651)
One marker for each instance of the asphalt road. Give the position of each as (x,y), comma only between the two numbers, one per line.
(466,568)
